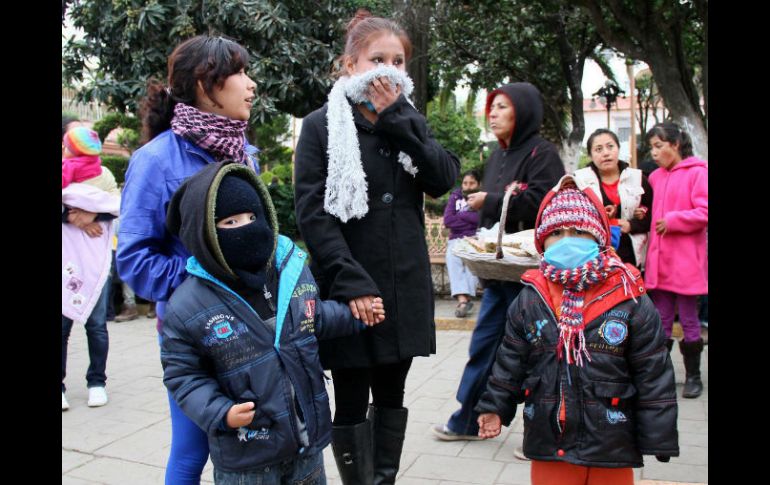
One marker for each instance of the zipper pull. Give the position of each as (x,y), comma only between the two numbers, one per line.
(268,298)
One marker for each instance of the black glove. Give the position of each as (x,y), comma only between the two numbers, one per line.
(662,459)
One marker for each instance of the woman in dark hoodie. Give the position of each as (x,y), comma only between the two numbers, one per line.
(515,113)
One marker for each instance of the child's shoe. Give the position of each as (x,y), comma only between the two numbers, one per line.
(64,404)
(443,433)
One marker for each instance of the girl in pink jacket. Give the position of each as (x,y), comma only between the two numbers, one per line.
(677,264)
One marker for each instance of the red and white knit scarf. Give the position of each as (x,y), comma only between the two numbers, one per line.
(575,282)
(222,137)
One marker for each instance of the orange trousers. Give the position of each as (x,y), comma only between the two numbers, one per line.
(563,473)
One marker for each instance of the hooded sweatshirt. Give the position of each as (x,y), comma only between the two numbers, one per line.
(528,159)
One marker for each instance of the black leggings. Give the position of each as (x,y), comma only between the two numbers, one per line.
(351,390)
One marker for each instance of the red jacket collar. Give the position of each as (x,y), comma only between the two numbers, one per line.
(552,292)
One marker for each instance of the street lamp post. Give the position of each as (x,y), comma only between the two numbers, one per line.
(608,94)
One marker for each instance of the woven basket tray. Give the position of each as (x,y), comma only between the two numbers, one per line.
(497,265)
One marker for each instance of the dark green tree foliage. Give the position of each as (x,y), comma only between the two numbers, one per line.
(292,44)
(455,132)
(269,137)
(283,200)
(544,42)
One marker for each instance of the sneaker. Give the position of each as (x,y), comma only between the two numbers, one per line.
(443,433)
(64,404)
(463,309)
(129,313)
(97,396)
(518,452)
(151,312)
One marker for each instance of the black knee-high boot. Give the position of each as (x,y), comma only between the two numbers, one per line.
(352,447)
(389,432)
(691,352)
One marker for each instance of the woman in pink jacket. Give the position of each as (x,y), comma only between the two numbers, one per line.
(677,266)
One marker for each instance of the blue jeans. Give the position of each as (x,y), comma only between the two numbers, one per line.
(486,338)
(98,342)
(301,470)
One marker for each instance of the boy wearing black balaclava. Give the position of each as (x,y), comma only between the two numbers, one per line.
(239,340)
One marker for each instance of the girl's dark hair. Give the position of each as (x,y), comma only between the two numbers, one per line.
(672,133)
(360,31)
(601,131)
(203,58)
(473,173)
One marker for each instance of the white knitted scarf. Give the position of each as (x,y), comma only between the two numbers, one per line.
(346,187)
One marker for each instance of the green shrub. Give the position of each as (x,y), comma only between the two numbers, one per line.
(283,200)
(117,164)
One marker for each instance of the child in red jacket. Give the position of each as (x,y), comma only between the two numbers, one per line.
(584,350)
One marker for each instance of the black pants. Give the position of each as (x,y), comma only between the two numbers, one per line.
(351,390)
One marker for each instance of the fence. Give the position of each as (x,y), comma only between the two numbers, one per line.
(92,111)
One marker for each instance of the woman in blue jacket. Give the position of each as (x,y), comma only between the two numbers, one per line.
(198,119)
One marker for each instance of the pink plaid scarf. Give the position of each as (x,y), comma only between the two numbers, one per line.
(222,137)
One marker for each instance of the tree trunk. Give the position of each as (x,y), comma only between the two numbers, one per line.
(678,104)
(414,17)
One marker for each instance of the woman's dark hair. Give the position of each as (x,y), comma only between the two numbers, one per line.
(360,31)
(672,133)
(473,173)
(65,121)
(203,58)
(601,131)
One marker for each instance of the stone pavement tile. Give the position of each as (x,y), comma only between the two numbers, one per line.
(98,433)
(407,460)
(428,443)
(696,439)
(110,471)
(417,481)
(691,409)
(73,459)
(672,471)
(440,388)
(75,481)
(143,446)
(692,455)
(208,472)
(663,482)
(515,474)
(486,449)
(464,470)
(330,466)
(692,426)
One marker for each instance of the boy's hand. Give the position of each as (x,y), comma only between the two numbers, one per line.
(489,425)
(240,415)
(378,310)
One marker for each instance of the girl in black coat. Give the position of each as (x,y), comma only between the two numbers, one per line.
(363,163)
